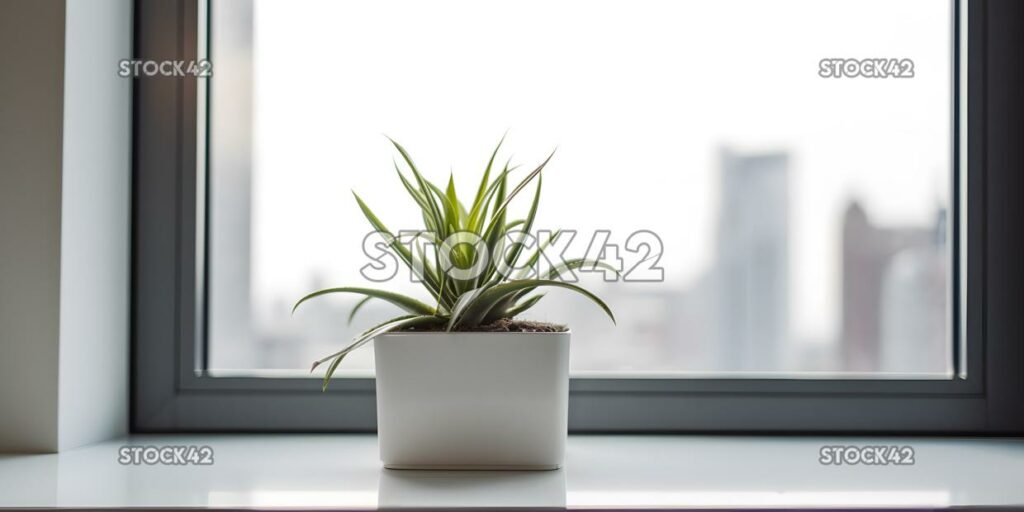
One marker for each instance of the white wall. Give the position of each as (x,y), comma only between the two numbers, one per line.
(65,135)
(95,222)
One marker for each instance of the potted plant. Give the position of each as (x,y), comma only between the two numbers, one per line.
(461,383)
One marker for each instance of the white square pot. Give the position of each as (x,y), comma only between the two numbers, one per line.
(472,400)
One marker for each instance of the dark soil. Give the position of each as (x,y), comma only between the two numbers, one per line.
(502,325)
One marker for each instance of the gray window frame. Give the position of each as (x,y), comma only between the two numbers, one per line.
(984,397)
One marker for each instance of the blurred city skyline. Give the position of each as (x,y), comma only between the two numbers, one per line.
(732,319)
(645,116)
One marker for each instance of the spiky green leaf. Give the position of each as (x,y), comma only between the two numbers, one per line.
(401,322)
(355,309)
(487,300)
(406,303)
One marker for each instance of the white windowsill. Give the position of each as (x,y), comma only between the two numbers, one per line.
(337,471)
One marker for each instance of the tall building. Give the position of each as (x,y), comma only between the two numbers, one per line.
(914,324)
(752,268)
(915,333)
(867,253)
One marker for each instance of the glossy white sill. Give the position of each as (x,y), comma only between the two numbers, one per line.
(338,471)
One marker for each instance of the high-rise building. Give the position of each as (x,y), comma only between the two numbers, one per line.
(867,253)
(752,260)
(914,324)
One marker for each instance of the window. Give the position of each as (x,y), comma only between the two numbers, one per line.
(799,221)
(820,234)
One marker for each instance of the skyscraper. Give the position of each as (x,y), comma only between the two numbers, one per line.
(914,333)
(915,325)
(867,254)
(752,269)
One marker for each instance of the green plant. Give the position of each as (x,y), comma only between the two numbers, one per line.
(472,282)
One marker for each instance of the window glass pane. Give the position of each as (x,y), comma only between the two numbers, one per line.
(800,219)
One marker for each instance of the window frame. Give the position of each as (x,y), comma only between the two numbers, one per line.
(984,397)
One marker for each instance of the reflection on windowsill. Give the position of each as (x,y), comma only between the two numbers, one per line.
(758,499)
(450,490)
(346,500)
(473,489)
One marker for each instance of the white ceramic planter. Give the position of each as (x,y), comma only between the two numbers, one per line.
(472,400)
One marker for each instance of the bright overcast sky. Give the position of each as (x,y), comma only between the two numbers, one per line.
(638,96)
